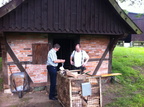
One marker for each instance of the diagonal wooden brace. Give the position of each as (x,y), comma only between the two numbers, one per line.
(110,45)
(14,58)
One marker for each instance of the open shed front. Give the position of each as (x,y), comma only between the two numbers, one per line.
(28,51)
(29,29)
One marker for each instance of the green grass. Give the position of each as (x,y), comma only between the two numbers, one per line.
(1,80)
(129,62)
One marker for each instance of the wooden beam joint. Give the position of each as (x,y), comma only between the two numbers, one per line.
(110,46)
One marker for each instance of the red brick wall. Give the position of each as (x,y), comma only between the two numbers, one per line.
(95,47)
(21,44)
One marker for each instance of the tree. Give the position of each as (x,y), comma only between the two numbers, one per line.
(132,2)
(3,2)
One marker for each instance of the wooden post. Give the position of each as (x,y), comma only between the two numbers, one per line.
(111,46)
(70,93)
(111,51)
(110,59)
(4,60)
(100,86)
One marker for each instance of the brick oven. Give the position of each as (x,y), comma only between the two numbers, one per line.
(30,28)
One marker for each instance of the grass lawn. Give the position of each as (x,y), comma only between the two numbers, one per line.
(130,91)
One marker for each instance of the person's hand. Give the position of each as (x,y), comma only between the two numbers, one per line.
(84,64)
(72,63)
(62,60)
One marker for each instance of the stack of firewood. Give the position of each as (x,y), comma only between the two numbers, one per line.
(70,91)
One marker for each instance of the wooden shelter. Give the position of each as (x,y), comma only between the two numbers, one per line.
(30,27)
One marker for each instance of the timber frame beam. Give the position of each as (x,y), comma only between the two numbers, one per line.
(110,47)
(13,56)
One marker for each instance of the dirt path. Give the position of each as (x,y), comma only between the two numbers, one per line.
(35,99)
(40,99)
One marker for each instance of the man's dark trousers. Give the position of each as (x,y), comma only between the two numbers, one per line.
(53,75)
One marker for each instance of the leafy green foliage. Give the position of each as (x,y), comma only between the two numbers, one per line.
(129,62)
(132,2)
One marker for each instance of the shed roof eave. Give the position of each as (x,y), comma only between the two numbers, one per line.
(123,15)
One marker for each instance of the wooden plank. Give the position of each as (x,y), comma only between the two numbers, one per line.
(60,15)
(18,17)
(67,15)
(50,14)
(73,15)
(44,14)
(96,16)
(56,9)
(38,14)
(39,57)
(31,14)
(92,15)
(106,75)
(78,21)
(12,19)
(83,12)
(104,17)
(88,14)
(100,91)
(97,59)
(6,22)
(22,62)
(70,92)
(25,15)
(100,18)
(112,74)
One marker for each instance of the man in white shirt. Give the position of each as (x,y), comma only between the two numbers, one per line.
(79,58)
